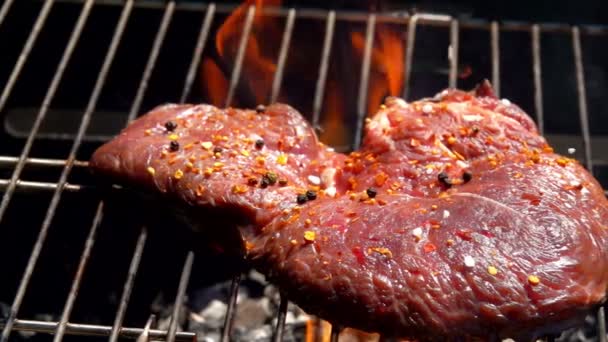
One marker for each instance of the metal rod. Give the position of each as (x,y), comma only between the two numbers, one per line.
(179,298)
(43,186)
(582,96)
(25,52)
(198,52)
(4,10)
(40,162)
(601,324)
(393,17)
(495,37)
(94,330)
(278,76)
(128,287)
(240,55)
(335,333)
(280,329)
(231,310)
(65,58)
(453,53)
(538,85)
(84,258)
(156,46)
(364,83)
(64,175)
(409,54)
(323,67)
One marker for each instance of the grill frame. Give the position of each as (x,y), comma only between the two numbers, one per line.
(208,12)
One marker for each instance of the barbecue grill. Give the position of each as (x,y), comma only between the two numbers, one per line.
(54,64)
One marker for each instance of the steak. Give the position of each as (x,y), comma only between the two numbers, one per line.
(454,219)
(253,163)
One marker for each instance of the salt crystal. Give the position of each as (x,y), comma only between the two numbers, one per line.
(571,150)
(505,102)
(331,191)
(427,109)
(446,214)
(469,261)
(417,232)
(314,180)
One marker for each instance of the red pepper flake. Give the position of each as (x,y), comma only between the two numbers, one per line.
(307,222)
(309,236)
(414,142)
(562,161)
(429,247)
(352,181)
(465,234)
(359,255)
(239,189)
(380,179)
(381,250)
(534,199)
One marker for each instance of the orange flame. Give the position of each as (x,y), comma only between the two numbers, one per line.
(301,70)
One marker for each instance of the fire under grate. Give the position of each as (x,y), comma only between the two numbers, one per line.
(60,164)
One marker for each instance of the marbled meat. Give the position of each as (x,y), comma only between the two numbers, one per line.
(455,218)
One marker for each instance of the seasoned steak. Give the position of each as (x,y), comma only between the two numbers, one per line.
(455,218)
(254,163)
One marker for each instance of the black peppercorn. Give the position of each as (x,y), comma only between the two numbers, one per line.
(260,109)
(170,126)
(217,149)
(270,177)
(174,146)
(302,198)
(371,192)
(259,143)
(252,181)
(467,176)
(311,195)
(444,179)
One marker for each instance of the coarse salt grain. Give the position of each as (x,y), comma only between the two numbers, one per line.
(331,191)
(417,232)
(505,102)
(469,261)
(314,180)
(446,214)
(571,150)
(427,109)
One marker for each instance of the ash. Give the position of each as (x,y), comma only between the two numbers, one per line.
(256,312)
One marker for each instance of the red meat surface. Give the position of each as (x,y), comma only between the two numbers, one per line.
(455,218)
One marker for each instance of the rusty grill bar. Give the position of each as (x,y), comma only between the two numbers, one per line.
(208,13)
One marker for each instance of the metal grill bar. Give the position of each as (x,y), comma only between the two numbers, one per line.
(330,23)
(364,83)
(409,54)
(179,298)
(44,186)
(231,310)
(75,36)
(335,333)
(495,37)
(158,43)
(96,330)
(63,178)
(4,10)
(278,334)
(582,96)
(198,52)
(27,48)
(240,55)
(538,85)
(453,53)
(128,287)
(40,162)
(86,253)
(285,41)
(601,324)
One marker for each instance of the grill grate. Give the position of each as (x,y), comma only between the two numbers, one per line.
(19,164)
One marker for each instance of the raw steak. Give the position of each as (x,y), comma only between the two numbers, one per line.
(454,219)
(254,163)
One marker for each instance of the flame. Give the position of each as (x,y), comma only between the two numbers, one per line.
(302,66)
(387,68)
